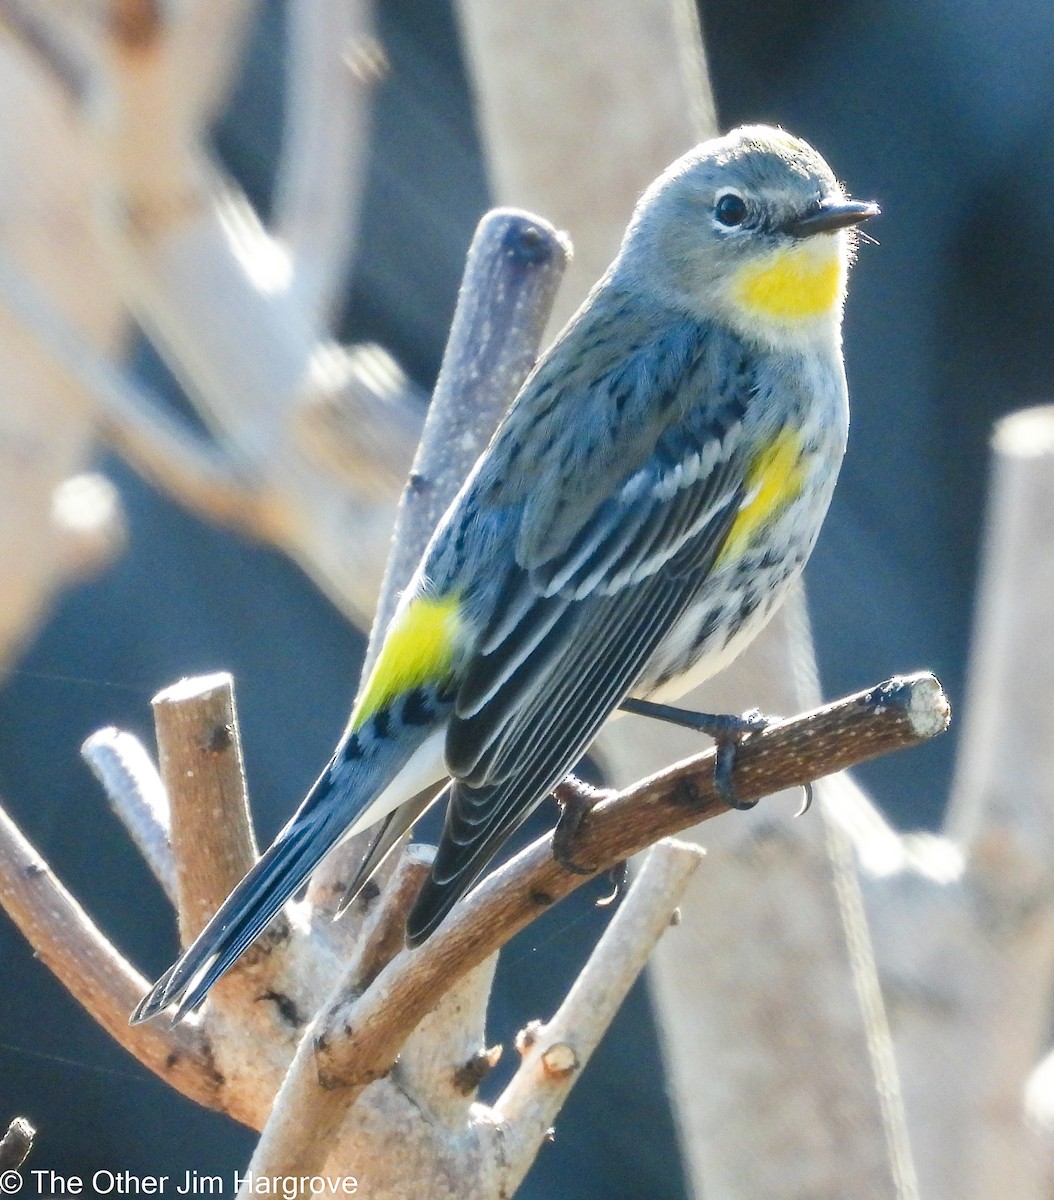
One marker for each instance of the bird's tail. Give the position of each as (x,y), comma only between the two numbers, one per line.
(344,799)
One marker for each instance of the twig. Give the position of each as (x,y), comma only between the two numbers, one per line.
(39,32)
(154,443)
(333,62)
(207,40)
(557,1052)
(354,1040)
(16,1144)
(259,1002)
(92,971)
(382,935)
(514,266)
(136,794)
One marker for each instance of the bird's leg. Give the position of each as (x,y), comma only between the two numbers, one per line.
(727,732)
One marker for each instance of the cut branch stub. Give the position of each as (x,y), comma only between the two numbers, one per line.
(199,754)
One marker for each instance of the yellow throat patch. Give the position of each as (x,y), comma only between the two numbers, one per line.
(792,284)
(776,479)
(419,649)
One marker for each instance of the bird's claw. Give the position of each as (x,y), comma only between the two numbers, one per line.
(618,875)
(576,798)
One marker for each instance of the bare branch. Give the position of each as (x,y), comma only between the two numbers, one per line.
(258,1003)
(354,1040)
(333,63)
(964,933)
(199,752)
(157,445)
(639,97)
(92,971)
(39,32)
(557,1052)
(512,272)
(382,936)
(136,794)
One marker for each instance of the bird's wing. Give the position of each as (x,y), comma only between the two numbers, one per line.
(568,638)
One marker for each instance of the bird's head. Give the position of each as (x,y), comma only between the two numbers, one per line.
(751,228)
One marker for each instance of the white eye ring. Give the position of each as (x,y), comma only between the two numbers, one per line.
(730,210)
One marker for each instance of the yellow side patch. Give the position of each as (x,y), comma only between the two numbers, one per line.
(418,650)
(775,480)
(794,284)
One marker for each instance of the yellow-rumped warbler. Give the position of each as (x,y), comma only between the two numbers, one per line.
(656,486)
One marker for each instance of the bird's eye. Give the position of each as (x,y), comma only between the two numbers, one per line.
(730,209)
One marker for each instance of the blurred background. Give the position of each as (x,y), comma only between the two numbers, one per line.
(940,112)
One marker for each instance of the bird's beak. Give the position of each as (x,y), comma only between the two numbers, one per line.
(831,214)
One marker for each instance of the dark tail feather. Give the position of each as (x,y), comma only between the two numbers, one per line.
(391,829)
(241,917)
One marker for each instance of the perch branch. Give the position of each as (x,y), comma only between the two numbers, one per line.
(16,1144)
(92,971)
(556,1053)
(136,794)
(354,1040)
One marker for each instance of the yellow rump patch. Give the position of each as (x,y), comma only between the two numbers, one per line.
(418,650)
(775,480)
(793,284)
